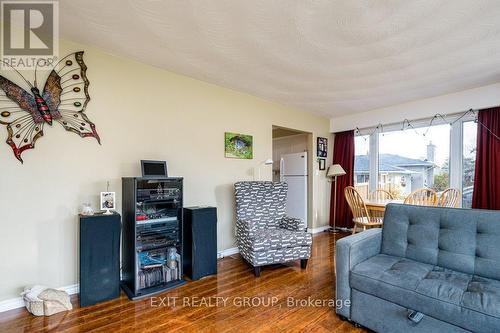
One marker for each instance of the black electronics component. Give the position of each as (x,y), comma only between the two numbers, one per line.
(156,194)
(152,235)
(154,169)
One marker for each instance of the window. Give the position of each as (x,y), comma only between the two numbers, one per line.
(361,164)
(400,161)
(468,161)
(408,160)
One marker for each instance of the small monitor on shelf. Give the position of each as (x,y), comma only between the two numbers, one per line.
(154,169)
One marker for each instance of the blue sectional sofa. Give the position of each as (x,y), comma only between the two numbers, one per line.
(428,269)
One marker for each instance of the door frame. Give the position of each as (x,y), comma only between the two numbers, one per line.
(310,146)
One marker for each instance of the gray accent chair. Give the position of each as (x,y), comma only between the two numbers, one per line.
(264,233)
(428,270)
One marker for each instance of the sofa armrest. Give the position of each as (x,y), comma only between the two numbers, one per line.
(349,252)
(291,223)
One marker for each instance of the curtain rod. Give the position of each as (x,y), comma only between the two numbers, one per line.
(436,116)
(408,122)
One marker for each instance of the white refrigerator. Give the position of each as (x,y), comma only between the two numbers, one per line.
(293,170)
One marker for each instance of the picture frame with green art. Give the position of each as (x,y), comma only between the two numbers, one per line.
(238,146)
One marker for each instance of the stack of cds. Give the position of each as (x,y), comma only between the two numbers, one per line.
(157,275)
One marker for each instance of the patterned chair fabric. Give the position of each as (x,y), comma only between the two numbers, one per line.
(264,233)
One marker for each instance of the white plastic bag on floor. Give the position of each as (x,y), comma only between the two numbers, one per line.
(43,301)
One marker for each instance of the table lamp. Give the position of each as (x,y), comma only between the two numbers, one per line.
(333,172)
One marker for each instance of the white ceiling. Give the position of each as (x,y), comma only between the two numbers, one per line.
(328,57)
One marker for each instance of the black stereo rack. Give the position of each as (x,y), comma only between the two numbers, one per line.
(152,235)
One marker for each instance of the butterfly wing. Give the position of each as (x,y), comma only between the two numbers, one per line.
(11,92)
(23,133)
(67,96)
(18,111)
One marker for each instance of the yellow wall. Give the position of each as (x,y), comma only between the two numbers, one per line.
(141,112)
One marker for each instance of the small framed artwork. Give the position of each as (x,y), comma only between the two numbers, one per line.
(108,202)
(322,163)
(238,146)
(322,146)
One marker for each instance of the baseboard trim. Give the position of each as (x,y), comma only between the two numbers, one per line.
(16,303)
(318,229)
(227,252)
(11,304)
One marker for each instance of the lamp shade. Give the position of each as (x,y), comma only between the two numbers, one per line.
(335,170)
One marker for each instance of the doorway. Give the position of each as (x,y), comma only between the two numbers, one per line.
(292,163)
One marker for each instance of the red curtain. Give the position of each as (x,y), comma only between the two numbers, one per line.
(343,154)
(487,175)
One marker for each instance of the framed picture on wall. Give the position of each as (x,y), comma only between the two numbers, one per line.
(322,163)
(322,146)
(238,145)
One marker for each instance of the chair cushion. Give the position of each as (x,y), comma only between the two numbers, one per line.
(275,256)
(465,300)
(264,240)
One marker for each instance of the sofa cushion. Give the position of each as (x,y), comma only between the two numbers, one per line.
(465,300)
(264,240)
(464,240)
(483,295)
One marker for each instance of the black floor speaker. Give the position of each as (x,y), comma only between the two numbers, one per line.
(99,258)
(200,242)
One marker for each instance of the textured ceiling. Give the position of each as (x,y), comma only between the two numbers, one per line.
(327,57)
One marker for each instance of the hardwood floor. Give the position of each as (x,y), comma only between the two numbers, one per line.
(276,296)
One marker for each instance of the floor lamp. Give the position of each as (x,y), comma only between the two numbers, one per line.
(334,171)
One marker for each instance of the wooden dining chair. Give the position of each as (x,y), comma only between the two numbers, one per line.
(380,194)
(361,216)
(450,198)
(422,197)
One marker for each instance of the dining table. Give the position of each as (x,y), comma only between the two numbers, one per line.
(376,207)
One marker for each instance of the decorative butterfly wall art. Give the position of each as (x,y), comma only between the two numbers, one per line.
(63,99)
